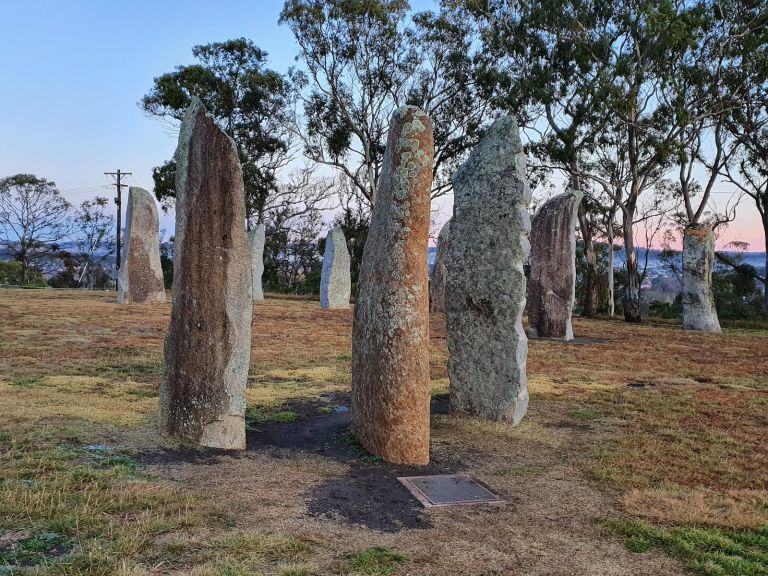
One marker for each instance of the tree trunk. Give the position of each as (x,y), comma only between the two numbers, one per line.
(24,272)
(590,261)
(631,296)
(611,303)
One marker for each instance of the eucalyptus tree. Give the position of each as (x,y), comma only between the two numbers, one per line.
(709,76)
(649,37)
(250,102)
(33,220)
(95,237)
(546,63)
(362,59)
(747,124)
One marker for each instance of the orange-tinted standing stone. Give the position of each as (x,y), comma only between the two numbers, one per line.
(390,337)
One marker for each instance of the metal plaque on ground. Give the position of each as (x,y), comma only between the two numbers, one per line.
(448,490)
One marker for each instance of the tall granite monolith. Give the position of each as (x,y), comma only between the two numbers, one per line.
(335,279)
(140,279)
(256,240)
(439,274)
(699,312)
(208,343)
(552,286)
(485,288)
(390,336)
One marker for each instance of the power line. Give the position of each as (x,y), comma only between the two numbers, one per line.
(119,201)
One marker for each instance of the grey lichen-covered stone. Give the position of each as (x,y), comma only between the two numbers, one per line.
(552,286)
(208,344)
(699,312)
(335,281)
(256,240)
(390,336)
(485,288)
(439,274)
(140,279)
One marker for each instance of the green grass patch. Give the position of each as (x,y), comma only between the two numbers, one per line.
(35,549)
(26,382)
(374,562)
(706,551)
(70,498)
(584,414)
(348,440)
(259,415)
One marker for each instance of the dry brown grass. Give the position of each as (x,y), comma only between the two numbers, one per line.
(741,509)
(645,421)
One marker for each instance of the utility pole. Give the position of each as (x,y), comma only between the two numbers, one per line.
(119,201)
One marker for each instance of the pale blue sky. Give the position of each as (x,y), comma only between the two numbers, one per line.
(73,71)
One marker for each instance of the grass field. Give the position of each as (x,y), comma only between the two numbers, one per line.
(644,452)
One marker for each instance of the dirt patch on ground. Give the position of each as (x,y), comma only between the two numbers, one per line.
(549,524)
(308,476)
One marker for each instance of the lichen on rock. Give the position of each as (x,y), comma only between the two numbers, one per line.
(486,287)
(699,312)
(390,340)
(208,343)
(140,279)
(335,279)
(552,285)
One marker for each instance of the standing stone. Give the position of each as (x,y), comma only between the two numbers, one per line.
(552,288)
(256,239)
(390,337)
(485,288)
(699,311)
(208,344)
(140,279)
(335,282)
(437,279)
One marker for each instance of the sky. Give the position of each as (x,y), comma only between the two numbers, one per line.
(74,70)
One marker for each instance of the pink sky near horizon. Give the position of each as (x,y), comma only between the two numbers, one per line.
(746,227)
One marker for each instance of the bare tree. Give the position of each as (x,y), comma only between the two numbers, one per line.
(363,60)
(302,193)
(33,220)
(95,239)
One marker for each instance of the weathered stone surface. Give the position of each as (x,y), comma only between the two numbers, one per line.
(390,337)
(485,288)
(552,287)
(699,311)
(208,344)
(439,274)
(140,279)
(256,239)
(335,281)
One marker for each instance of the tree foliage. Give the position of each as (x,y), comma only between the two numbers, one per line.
(95,238)
(248,100)
(33,221)
(362,59)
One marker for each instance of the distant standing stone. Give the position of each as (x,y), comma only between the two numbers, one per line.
(208,344)
(390,337)
(437,279)
(140,279)
(552,288)
(699,312)
(256,239)
(335,281)
(485,288)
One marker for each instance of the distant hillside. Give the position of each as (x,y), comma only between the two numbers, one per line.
(756,259)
